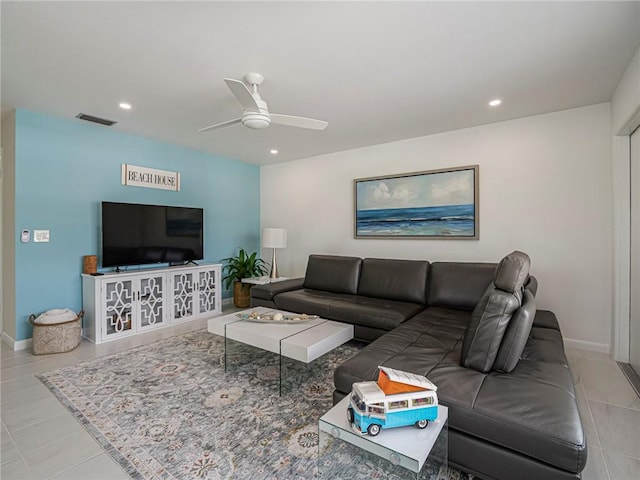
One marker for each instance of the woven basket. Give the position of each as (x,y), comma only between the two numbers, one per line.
(56,337)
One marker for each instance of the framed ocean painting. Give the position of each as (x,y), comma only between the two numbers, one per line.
(437,204)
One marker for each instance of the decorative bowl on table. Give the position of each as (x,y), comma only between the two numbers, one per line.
(276,317)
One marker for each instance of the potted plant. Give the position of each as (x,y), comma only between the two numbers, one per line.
(241,266)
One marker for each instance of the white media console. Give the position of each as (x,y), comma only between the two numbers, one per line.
(121,304)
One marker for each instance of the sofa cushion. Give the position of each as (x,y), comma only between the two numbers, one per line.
(458,285)
(491,316)
(306,300)
(373,312)
(486,329)
(270,290)
(342,307)
(517,334)
(544,345)
(417,345)
(402,280)
(333,273)
(531,411)
(532,284)
(512,272)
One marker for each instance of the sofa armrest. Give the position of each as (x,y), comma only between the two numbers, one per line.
(270,290)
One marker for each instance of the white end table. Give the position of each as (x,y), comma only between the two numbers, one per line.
(404,451)
(263,280)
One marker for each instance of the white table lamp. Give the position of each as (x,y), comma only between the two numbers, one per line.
(274,238)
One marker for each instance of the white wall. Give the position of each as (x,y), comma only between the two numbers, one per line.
(545,188)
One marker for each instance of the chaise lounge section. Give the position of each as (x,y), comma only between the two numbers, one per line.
(472,329)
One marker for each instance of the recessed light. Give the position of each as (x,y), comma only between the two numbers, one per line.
(125,106)
(495,103)
(273,151)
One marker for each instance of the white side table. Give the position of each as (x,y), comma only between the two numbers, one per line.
(403,452)
(263,280)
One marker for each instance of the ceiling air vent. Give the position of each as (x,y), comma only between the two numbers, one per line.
(91,118)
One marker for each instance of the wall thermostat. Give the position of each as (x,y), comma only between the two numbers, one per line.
(25,236)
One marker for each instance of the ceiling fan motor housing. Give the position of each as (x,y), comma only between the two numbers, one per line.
(256,120)
(259,119)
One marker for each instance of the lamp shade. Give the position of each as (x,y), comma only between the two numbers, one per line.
(274,237)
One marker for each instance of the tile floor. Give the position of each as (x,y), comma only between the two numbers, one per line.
(610,412)
(41,440)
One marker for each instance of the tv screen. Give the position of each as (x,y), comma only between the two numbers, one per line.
(136,234)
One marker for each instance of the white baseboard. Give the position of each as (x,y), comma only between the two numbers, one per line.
(16,344)
(584,345)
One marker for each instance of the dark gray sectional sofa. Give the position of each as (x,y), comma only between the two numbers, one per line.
(472,329)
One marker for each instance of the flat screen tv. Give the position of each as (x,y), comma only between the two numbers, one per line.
(136,234)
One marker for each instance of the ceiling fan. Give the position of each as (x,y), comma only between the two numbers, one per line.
(256,114)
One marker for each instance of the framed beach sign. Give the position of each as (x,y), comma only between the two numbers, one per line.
(437,204)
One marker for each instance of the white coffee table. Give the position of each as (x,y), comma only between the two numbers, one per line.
(403,451)
(304,342)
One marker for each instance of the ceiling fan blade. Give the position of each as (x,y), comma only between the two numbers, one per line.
(243,94)
(301,122)
(220,125)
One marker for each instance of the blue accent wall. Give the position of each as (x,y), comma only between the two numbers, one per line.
(65,168)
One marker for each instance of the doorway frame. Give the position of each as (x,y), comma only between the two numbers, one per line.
(621,156)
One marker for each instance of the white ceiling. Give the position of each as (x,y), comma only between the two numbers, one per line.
(377,71)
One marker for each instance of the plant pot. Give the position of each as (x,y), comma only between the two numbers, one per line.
(241,294)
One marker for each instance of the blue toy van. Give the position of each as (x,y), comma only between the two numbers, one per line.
(397,399)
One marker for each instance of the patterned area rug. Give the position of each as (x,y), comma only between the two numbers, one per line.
(169,411)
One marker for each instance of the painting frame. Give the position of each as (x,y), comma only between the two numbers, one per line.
(442,204)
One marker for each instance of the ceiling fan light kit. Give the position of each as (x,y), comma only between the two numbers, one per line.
(256,120)
(256,112)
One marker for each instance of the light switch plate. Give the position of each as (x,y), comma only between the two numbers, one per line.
(41,235)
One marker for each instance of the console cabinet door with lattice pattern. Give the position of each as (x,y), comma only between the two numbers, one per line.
(183,295)
(195,292)
(122,304)
(118,300)
(209,290)
(152,301)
